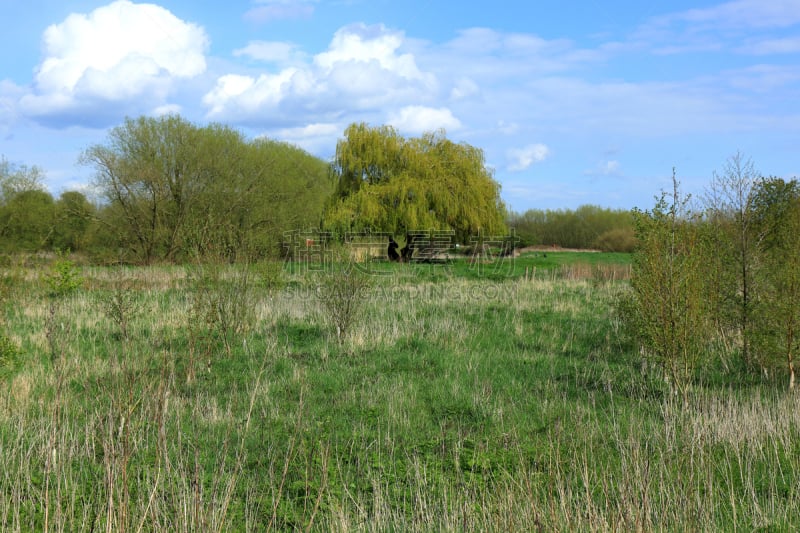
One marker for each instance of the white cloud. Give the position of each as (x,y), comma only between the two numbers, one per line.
(506,128)
(271,10)
(167,109)
(721,27)
(311,130)
(314,138)
(240,96)
(464,88)
(270,51)
(788,45)
(763,78)
(746,14)
(486,54)
(9,94)
(520,159)
(610,167)
(605,168)
(118,53)
(417,119)
(365,45)
(362,69)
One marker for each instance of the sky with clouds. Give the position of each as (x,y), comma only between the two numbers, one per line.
(572,102)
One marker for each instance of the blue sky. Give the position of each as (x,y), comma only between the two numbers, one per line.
(572,102)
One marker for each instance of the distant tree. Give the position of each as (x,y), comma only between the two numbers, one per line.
(620,239)
(26,215)
(589,226)
(73,215)
(27,221)
(15,179)
(386,182)
(176,190)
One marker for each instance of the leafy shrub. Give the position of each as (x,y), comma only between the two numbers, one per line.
(64,278)
(224,300)
(616,240)
(9,356)
(342,292)
(121,306)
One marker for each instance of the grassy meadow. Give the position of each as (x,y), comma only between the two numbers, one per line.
(495,397)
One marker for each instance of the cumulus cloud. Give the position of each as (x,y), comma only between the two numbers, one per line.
(238,96)
(115,56)
(366,44)
(313,138)
(419,119)
(520,159)
(362,69)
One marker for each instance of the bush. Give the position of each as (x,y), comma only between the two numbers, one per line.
(616,240)
(669,308)
(9,356)
(224,300)
(342,292)
(64,278)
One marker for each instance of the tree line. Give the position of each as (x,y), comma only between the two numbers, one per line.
(587,227)
(169,191)
(716,281)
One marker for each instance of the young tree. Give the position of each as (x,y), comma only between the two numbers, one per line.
(777,213)
(668,287)
(729,204)
(15,179)
(385,182)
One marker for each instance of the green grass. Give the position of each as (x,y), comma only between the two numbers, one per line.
(550,264)
(458,402)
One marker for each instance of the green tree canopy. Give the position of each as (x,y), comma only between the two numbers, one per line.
(175,190)
(776,204)
(385,182)
(73,215)
(26,208)
(26,220)
(588,226)
(15,179)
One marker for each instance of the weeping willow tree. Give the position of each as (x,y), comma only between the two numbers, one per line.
(385,182)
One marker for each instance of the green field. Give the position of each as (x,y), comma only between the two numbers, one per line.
(466,397)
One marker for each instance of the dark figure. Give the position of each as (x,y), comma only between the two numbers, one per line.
(393,255)
(408,250)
